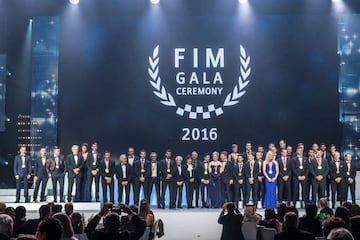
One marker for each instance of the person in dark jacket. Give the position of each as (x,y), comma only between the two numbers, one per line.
(231,222)
(291,231)
(309,222)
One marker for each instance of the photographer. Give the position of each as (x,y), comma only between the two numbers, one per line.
(231,222)
(112,226)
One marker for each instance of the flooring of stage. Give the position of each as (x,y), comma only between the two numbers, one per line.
(179,224)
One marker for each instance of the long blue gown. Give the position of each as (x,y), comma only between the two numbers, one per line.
(215,188)
(270,188)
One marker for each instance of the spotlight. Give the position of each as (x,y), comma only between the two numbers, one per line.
(75,2)
(243,1)
(155,1)
(30,20)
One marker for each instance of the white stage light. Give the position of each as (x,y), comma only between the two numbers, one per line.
(155,1)
(335,1)
(75,2)
(243,1)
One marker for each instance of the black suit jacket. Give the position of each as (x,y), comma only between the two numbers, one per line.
(137,169)
(70,164)
(315,171)
(40,169)
(294,234)
(119,172)
(180,177)
(332,170)
(247,170)
(352,171)
(295,167)
(93,164)
(228,172)
(282,170)
(158,169)
(51,165)
(231,226)
(204,171)
(187,174)
(238,172)
(163,166)
(102,169)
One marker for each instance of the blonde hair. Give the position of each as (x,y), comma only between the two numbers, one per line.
(269,156)
(249,211)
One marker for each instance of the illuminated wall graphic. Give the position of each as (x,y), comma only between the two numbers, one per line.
(349,83)
(2,91)
(44,92)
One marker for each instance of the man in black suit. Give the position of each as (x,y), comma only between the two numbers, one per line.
(155,178)
(74,166)
(284,179)
(107,171)
(197,180)
(227,177)
(189,181)
(261,181)
(22,172)
(329,158)
(179,179)
(319,169)
(204,175)
(291,230)
(93,167)
(251,173)
(30,226)
(239,185)
(168,171)
(123,174)
(142,175)
(131,159)
(40,175)
(300,174)
(56,168)
(337,175)
(231,222)
(248,150)
(349,180)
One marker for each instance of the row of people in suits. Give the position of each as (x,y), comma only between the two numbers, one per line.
(298,172)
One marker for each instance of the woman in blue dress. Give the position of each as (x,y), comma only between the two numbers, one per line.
(271,171)
(215,170)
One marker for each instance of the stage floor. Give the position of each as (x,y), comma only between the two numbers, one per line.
(179,224)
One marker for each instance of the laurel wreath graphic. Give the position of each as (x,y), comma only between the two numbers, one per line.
(231,99)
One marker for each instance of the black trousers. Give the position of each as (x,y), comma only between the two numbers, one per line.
(350,186)
(228,192)
(43,181)
(336,192)
(77,180)
(105,187)
(172,192)
(58,178)
(239,193)
(178,194)
(155,181)
(190,186)
(197,187)
(296,190)
(284,189)
(18,187)
(137,188)
(253,189)
(121,192)
(328,187)
(318,189)
(90,180)
(204,189)
(261,191)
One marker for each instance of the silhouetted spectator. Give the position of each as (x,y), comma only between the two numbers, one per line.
(68,232)
(270,219)
(309,222)
(69,208)
(332,223)
(2,207)
(281,210)
(340,234)
(344,214)
(77,222)
(347,205)
(6,226)
(355,226)
(20,219)
(10,211)
(291,231)
(57,208)
(324,207)
(49,229)
(31,225)
(231,223)
(355,210)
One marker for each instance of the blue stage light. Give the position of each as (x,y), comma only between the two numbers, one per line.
(75,2)
(243,1)
(155,1)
